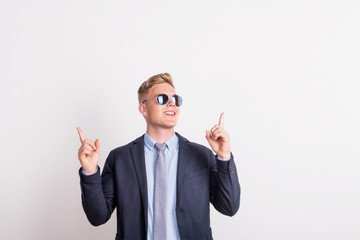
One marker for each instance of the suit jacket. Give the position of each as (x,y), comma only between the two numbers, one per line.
(201,179)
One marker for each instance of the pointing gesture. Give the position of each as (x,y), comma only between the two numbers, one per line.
(89,153)
(219,139)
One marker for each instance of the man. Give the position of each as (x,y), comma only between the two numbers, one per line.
(161,184)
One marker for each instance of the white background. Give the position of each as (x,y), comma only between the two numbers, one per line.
(286,74)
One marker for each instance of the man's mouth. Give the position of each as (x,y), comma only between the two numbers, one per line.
(170,113)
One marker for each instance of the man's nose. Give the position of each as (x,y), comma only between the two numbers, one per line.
(170,102)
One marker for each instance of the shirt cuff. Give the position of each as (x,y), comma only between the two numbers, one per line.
(82,171)
(219,158)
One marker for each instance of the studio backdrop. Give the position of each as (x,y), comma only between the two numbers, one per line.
(286,74)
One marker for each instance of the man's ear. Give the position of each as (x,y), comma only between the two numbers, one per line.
(142,109)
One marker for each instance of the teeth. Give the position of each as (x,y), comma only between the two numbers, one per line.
(172,113)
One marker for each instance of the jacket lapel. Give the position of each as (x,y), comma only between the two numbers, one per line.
(138,157)
(184,150)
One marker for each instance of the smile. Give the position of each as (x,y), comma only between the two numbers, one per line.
(170,113)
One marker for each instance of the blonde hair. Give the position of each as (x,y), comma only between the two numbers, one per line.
(152,81)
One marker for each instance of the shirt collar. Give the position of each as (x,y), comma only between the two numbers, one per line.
(171,143)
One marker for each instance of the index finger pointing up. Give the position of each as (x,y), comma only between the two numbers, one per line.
(82,137)
(221,120)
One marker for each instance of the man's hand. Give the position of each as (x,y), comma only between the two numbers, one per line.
(219,139)
(89,153)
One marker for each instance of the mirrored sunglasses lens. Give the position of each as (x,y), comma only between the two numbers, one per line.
(162,99)
(177,100)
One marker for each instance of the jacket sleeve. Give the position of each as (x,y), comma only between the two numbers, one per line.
(97,193)
(224,186)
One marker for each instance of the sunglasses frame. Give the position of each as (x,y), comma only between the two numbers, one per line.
(177,103)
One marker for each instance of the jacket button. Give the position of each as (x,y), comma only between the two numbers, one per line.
(231,169)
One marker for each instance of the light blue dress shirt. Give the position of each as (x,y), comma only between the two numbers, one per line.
(171,159)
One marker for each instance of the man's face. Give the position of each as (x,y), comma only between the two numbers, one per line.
(160,116)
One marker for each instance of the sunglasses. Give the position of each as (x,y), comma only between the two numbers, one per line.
(162,99)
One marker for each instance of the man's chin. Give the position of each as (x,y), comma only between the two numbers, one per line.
(169,125)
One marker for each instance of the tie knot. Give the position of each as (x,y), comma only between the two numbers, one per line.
(160,146)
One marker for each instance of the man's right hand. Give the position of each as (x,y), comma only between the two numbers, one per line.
(89,153)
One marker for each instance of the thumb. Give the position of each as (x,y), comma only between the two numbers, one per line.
(97,145)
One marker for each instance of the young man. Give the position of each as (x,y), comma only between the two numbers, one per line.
(161,184)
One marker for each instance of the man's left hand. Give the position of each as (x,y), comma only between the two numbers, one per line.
(219,139)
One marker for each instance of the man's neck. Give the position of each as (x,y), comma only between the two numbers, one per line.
(160,135)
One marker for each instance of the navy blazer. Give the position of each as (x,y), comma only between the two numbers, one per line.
(201,179)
